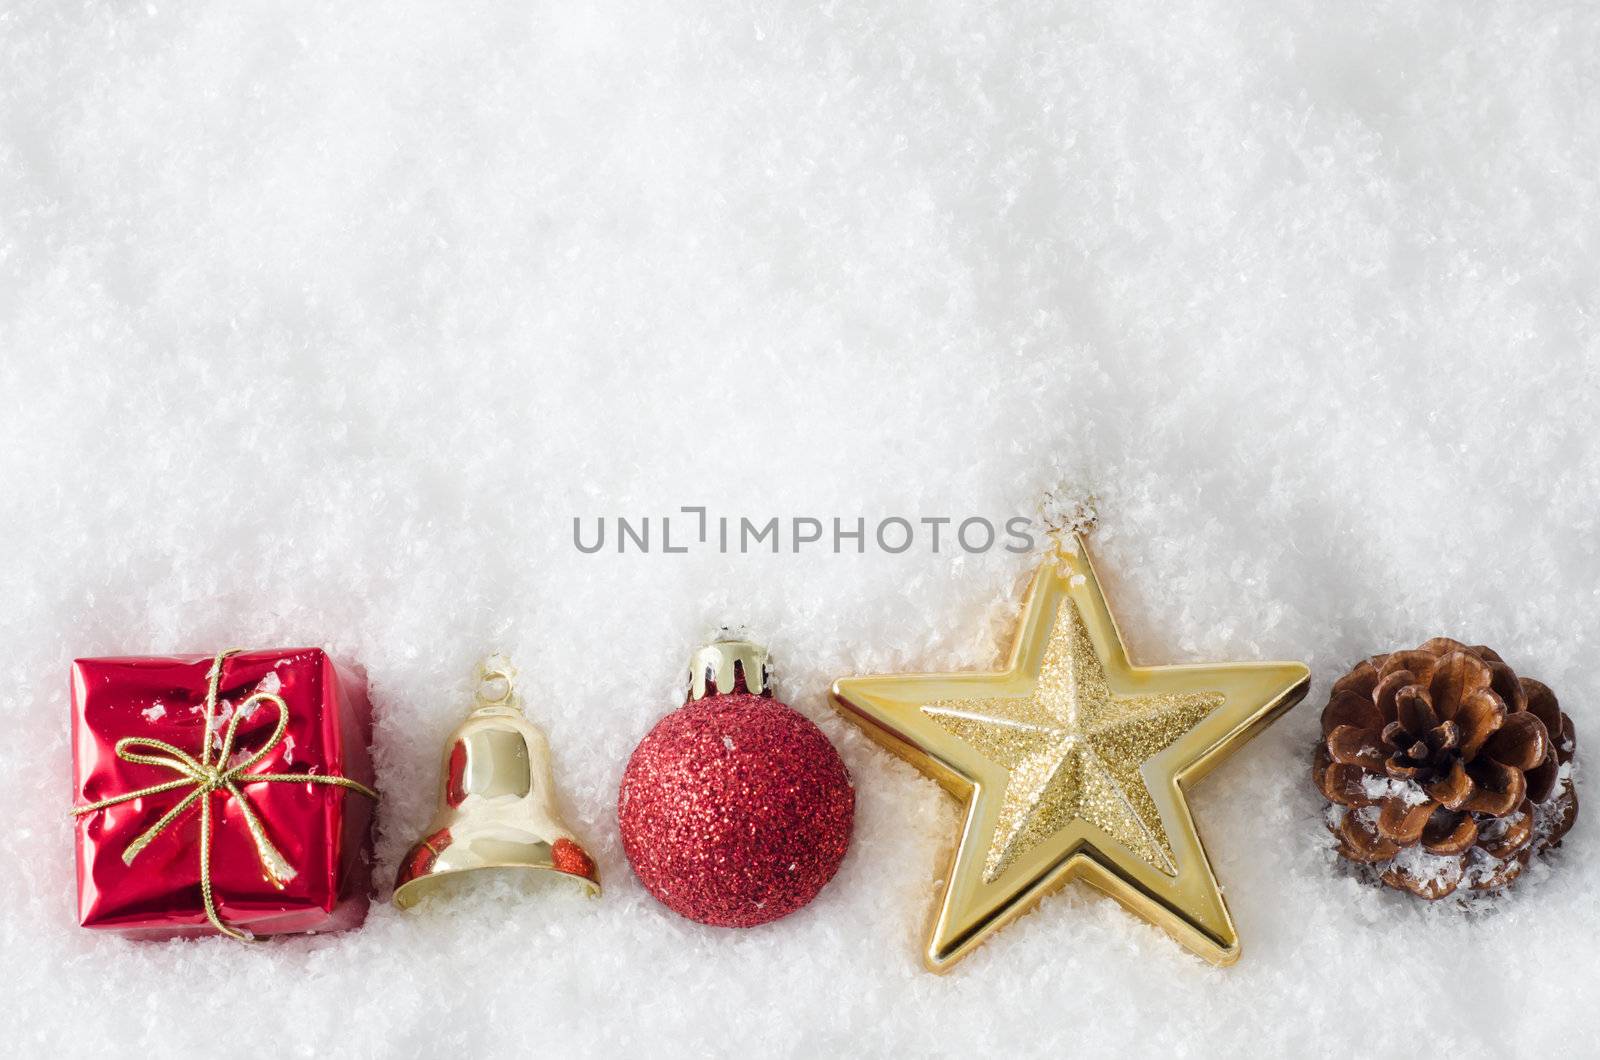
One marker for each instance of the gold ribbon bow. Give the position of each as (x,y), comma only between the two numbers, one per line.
(212,773)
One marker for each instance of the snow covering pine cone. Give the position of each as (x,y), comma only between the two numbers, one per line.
(1446,769)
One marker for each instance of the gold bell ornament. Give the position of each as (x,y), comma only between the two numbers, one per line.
(498,808)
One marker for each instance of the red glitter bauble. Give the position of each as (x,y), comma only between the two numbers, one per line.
(735,810)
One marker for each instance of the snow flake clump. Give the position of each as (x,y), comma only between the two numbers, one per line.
(1378,788)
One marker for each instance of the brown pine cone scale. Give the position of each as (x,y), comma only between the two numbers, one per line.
(1445,769)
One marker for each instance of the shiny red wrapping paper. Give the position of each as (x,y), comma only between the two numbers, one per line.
(324,831)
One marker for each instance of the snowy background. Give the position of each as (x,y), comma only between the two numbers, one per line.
(319,326)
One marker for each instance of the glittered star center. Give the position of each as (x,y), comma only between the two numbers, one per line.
(1073,751)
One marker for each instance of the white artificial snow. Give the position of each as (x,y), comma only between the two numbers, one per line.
(1409,792)
(220,719)
(1480,867)
(1425,868)
(319,324)
(1069,507)
(154,712)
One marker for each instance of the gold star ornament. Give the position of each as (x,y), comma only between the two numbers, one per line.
(1072,763)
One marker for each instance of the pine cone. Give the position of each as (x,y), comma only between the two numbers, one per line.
(1446,768)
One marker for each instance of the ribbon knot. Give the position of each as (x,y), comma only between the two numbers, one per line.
(206,775)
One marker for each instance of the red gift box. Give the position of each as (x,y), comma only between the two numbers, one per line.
(289,843)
